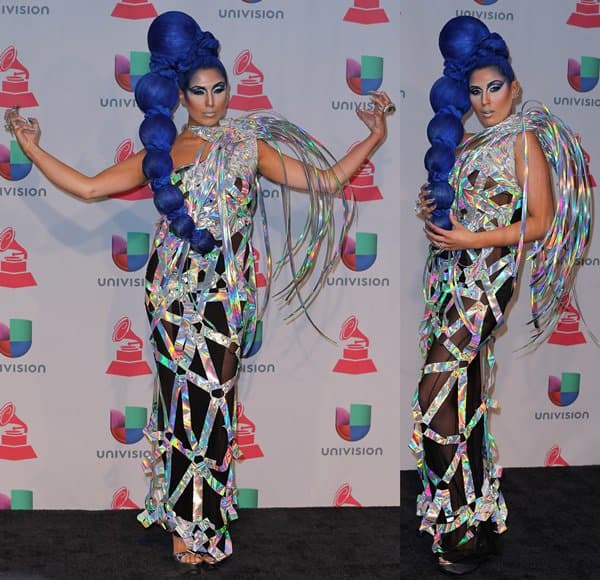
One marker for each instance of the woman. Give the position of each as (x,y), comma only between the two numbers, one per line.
(488,194)
(200,282)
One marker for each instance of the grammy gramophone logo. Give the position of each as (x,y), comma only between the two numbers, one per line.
(554,458)
(14,444)
(124,151)
(586,14)
(249,95)
(361,186)
(134,10)
(366,12)
(343,497)
(245,435)
(567,331)
(355,357)
(261,281)
(129,360)
(13,262)
(15,84)
(121,500)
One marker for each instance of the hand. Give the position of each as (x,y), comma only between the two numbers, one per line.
(26,131)
(458,238)
(425,204)
(374,118)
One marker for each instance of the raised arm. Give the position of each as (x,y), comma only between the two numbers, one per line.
(293,173)
(116,179)
(540,207)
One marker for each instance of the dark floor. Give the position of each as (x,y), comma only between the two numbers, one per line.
(335,543)
(553,521)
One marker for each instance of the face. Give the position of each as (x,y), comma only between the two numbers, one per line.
(491,95)
(206,97)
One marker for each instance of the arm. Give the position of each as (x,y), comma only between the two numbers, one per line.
(293,172)
(540,208)
(115,179)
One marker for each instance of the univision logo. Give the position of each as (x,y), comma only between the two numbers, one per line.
(128,427)
(131,253)
(563,391)
(583,75)
(359,254)
(14,164)
(128,71)
(353,425)
(19,499)
(365,75)
(15,339)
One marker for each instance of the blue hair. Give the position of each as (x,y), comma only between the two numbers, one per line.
(178,48)
(466,45)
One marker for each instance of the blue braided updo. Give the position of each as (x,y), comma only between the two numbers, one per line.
(178,48)
(466,45)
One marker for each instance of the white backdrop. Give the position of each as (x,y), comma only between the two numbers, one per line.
(57,449)
(72,399)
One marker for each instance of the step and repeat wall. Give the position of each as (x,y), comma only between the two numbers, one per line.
(319,423)
(318,420)
(549,401)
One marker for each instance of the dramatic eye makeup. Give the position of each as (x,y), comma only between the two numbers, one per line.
(201,90)
(492,87)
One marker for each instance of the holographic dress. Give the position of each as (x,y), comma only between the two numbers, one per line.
(203,313)
(466,294)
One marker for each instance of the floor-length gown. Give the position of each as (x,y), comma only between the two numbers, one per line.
(203,315)
(199,308)
(466,295)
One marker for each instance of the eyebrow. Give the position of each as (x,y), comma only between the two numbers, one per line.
(204,86)
(490,83)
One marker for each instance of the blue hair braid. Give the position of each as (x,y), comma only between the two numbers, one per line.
(466,45)
(178,48)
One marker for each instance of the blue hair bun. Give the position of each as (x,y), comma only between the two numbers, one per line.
(178,47)
(466,44)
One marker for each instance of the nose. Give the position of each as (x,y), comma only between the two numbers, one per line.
(210,99)
(485,97)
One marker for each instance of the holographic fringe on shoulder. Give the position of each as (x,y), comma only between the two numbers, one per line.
(553,260)
(317,242)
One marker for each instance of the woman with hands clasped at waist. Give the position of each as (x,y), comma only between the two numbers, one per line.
(488,194)
(200,281)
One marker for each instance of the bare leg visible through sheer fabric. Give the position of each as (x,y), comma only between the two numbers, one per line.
(453,428)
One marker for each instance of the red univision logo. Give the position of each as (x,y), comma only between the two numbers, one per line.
(13,262)
(366,12)
(134,10)
(15,86)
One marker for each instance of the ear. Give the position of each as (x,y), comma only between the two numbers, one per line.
(515,89)
(182,98)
